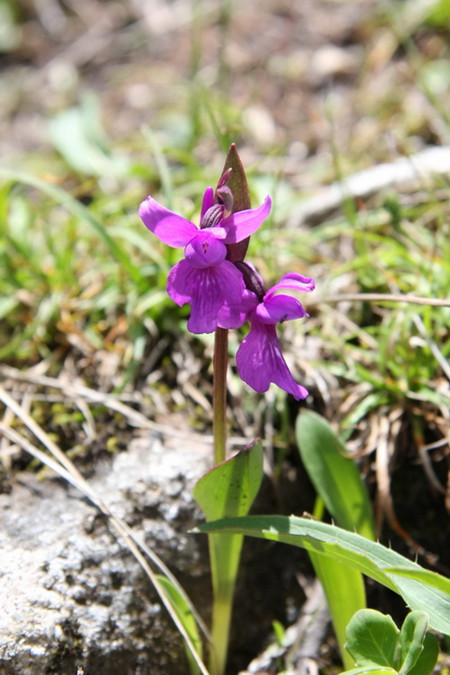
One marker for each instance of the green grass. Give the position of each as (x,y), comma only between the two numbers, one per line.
(69,269)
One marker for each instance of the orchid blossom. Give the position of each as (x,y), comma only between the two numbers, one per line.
(205,278)
(259,358)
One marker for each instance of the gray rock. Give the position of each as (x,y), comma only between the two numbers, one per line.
(71,594)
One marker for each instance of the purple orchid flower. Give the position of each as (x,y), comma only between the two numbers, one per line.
(259,358)
(205,279)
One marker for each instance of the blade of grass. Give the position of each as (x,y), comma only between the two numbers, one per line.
(162,166)
(77,209)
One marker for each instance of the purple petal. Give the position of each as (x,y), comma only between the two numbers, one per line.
(204,250)
(294,281)
(242,224)
(169,227)
(206,289)
(280,308)
(259,361)
(216,231)
(233,316)
(208,201)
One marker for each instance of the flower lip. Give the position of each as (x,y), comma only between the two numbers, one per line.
(260,361)
(207,289)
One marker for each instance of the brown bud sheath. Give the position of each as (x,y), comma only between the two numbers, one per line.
(237,182)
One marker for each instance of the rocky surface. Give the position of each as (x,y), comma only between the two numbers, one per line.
(71,594)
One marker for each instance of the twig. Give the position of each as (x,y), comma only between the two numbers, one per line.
(378,297)
(134,417)
(423,165)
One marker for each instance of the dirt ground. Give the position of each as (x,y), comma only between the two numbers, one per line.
(290,66)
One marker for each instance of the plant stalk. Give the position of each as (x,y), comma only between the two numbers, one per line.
(220,362)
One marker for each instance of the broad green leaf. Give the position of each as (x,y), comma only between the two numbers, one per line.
(7,305)
(373,639)
(439,14)
(334,474)
(427,658)
(412,636)
(345,594)
(369,557)
(228,490)
(338,482)
(428,577)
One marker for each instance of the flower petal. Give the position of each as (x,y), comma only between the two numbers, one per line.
(280,308)
(233,316)
(292,280)
(169,227)
(206,289)
(204,250)
(242,224)
(208,201)
(260,361)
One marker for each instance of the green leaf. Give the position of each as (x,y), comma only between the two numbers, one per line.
(439,14)
(428,577)
(412,636)
(345,594)
(427,658)
(229,489)
(184,613)
(279,632)
(369,557)
(337,480)
(334,474)
(373,639)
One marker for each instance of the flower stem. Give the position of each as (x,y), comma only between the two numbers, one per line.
(220,362)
